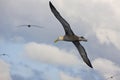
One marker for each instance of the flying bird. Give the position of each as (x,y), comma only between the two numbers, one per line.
(70,36)
(29,25)
(3,54)
(113,76)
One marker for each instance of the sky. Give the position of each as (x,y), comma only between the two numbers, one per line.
(32,53)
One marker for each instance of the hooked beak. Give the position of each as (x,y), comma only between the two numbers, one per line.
(56,41)
(85,40)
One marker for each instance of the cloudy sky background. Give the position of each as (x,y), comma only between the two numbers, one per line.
(32,53)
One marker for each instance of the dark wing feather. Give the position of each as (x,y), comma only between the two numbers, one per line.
(3,55)
(66,26)
(22,25)
(37,26)
(82,53)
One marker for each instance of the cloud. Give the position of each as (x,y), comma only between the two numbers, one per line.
(2,40)
(4,71)
(107,68)
(103,69)
(15,13)
(50,54)
(64,76)
(87,16)
(99,18)
(27,72)
(22,71)
(79,74)
(108,36)
(17,39)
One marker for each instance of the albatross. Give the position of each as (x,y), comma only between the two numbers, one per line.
(70,36)
(29,25)
(3,54)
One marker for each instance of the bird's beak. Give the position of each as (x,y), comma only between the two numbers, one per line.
(85,40)
(56,41)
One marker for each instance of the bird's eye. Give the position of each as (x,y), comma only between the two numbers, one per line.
(82,37)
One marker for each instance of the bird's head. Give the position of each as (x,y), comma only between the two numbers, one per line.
(82,39)
(60,38)
(29,26)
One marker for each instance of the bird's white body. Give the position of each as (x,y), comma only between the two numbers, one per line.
(70,38)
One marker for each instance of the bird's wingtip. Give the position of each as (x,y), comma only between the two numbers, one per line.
(90,65)
(50,3)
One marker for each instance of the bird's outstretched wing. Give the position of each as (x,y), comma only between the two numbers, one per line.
(113,76)
(82,53)
(22,25)
(37,26)
(3,54)
(30,26)
(66,26)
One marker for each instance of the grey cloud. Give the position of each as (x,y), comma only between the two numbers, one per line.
(26,12)
(111,70)
(84,16)
(19,73)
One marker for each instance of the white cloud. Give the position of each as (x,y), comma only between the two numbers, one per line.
(64,76)
(102,17)
(4,71)
(50,54)
(22,71)
(108,36)
(107,68)
(95,13)
(80,74)
(53,55)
